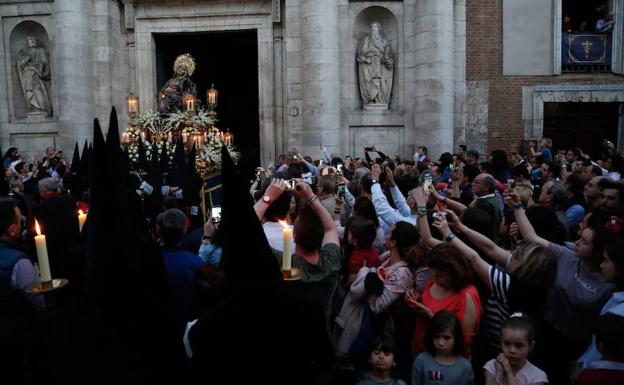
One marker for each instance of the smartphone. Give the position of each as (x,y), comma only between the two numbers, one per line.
(368,149)
(428,182)
(341,189)
(290,184)
(215,213)
(339,169)
(320,163)
(295,157)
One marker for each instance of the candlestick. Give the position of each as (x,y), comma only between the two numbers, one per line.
(286,253)
(82,218)
(42,255)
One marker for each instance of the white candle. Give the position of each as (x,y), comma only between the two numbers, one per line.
(169,137)
(42,255)
(286,253)
(82,218)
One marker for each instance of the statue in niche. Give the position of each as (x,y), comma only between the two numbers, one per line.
(171,94)
(33,67)
(375,69)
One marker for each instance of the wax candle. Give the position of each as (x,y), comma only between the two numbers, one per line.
(82,218)
(286,253)
(42,255)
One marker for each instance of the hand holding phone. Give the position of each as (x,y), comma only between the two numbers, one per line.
(215,214)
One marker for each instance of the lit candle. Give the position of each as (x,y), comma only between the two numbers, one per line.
(184,137)
(169,137)
(82,218)
(205,137)
(286,253)
(42,255)
(143,136)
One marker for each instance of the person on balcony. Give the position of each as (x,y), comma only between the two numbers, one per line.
(605,22)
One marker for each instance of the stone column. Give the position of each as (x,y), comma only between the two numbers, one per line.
(435,75)
(320,68)
(73,71)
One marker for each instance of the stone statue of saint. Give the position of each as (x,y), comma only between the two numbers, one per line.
(171,94)
(33,67)
(375,69)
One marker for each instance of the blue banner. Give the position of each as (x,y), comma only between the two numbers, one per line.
(586,48)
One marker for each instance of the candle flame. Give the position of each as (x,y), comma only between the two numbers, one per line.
(284,224)
(80,212)
(37,228)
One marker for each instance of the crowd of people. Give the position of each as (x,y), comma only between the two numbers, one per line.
(504,268)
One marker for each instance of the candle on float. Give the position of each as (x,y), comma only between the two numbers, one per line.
(286,252)
(42,255)
(82,218)
(169,137)
(205,137)
(184,137)
(143,136)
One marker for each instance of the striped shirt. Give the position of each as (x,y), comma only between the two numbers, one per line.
(496,310)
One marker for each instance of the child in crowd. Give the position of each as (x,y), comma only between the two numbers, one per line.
(610,342)
(381,364)
(442,361)
(448,288)
(361,235)
(512,367)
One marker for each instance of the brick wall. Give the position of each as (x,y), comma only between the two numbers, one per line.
(484,62)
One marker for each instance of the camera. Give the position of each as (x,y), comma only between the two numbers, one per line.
(290,184)
(215,213)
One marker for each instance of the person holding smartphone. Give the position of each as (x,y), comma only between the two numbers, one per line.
(210,248)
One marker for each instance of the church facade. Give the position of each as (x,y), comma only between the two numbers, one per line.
(309,54)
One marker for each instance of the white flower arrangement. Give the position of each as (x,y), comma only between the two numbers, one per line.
(208,159)
(176,119)
(202,118)
(148,118)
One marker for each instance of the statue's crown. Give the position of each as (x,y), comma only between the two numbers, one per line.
(187,61)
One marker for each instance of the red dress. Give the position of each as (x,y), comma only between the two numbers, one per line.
(359,256)
(455,303)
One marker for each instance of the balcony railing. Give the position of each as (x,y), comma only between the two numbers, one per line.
(586,53)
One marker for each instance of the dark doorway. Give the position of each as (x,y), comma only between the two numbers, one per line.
(583,125)
(229,60)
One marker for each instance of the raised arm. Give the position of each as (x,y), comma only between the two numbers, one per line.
(450,203)
(480,267)
(275,189)
(421,197)
(329,227)
(526,229)
(483,243)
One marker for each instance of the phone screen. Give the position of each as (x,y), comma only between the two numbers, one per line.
(341,189)
(215,213)
(428,182)
(290,184)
